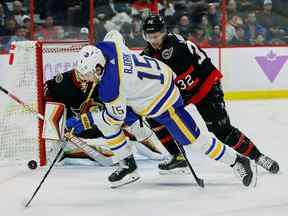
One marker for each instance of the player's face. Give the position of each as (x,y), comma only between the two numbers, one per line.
(92,76)
(155,39)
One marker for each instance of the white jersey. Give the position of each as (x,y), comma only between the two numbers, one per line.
(140,82)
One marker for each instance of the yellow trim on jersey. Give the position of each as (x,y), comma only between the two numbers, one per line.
(170,101)
(181,125)
(216,150)
(112,121)
(116,140)
(166,87)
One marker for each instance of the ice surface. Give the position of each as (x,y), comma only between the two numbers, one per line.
(84,190)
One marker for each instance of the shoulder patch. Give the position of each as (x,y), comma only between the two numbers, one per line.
(167,53)
(59,78)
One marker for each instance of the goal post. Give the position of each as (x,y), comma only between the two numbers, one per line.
(31,63)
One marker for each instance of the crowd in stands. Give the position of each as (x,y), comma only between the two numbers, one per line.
(245,22)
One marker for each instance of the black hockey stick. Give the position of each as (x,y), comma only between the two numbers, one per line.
(92,152)
(199,181)
(46,174)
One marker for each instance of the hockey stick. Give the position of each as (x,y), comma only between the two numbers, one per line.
(100,154)
(199,181)
(46,174)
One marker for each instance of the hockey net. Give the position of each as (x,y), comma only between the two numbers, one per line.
(31,63)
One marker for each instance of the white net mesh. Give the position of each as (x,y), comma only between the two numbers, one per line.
(19,133)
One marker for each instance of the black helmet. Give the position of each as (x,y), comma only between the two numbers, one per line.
(153,23)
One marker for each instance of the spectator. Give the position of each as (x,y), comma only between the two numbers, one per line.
(233,24)
(271,21)
(49,31)
(216,37)
(239,37)
(259,40)
(27,25)
(213,15)
(232,9)
(185,26)
(20,35)
(18,11)
(84,34)
(137,37)
(204,24)
(10,27)
(199,37)
(253,28)
(167,8)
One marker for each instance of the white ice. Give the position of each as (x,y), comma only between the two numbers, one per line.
(84,190)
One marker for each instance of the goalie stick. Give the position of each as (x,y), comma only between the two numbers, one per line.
(98,153)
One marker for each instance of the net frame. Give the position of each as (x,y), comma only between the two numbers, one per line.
(40,50)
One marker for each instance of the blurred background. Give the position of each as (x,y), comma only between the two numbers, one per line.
(209,23)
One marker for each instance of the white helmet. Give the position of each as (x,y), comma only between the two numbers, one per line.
(88,58)
(114,36)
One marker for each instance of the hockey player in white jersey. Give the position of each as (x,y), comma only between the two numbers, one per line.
(130,86)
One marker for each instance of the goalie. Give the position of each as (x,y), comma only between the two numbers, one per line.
(79,97)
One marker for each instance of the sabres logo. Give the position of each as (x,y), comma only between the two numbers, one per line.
(167,53)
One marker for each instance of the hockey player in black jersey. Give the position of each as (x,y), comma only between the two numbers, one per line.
(199,83)
(68,89)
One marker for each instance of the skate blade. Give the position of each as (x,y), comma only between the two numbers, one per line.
(254,168)
(130,178)
(176,171)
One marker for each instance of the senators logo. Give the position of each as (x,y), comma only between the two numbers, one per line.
(167,53)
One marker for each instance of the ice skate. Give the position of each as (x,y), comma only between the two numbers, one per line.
(268,164)
(176,165)
(246,170)
(125,173)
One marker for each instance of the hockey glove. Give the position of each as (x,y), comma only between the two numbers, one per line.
(84,123)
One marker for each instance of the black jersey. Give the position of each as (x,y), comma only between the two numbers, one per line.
(67,89)
(195,72)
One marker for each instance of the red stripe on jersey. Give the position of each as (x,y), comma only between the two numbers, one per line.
(205,87)
(183,75)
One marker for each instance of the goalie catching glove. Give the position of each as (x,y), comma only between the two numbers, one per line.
(85,122)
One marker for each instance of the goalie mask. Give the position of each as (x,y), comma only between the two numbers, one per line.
(90,64)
